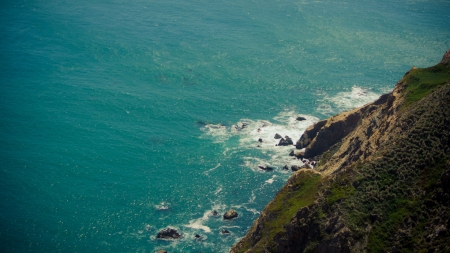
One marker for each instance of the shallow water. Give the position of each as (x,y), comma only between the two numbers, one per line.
(122,118)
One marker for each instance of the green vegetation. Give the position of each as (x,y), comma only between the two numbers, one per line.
(299,192)
(340,191)
(420,82)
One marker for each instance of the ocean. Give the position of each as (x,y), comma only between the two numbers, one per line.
(122,118)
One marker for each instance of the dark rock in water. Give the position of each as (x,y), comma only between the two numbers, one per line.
(292,153)
(286,141)
(230,214)
(285,167)
(214,213)
(299,118)
(260,140)
(162,251)
(225,232)
(266,168)
(277,136)
(295,168)
(168,233)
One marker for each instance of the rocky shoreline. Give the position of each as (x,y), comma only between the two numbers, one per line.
(381,183)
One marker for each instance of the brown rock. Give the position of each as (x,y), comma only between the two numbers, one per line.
(230,214)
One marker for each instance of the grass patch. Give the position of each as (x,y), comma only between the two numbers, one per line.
(420,82)
(299,192)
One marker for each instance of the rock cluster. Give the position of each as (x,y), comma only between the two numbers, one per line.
(168,233)
(286,141)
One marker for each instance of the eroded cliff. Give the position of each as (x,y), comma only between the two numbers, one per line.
(382,183)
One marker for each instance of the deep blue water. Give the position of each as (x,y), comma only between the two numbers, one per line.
(113,111)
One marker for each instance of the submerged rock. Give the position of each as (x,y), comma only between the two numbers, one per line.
(300,118)
(230,214)
(214,213)
(285,167)
(168,233)
(260,140)
(266,168)
(225,232)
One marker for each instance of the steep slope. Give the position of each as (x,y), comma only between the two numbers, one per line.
(382,183)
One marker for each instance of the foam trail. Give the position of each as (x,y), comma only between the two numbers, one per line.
(271,180)
(198,223)
(207,172)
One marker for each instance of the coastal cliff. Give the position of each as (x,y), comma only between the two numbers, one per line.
(382,182)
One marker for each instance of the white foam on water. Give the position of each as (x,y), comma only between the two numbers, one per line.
(162,206)
(198,223)
(347,100)
(270,181)
(252,210)
(207,172)
(252,198)
(259,135)
(218,190)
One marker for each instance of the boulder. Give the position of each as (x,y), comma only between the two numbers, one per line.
(260,140)
(230,214)
(286,141)
(277,136)
(300,118)
(168,233)
(285,167)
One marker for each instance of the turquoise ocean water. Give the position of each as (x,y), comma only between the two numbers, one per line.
(120,118)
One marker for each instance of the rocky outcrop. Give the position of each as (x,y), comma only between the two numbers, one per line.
(286,141)
(168,233)
(446,58)
(382,183)
(309,134)
(230,214)
(332,131)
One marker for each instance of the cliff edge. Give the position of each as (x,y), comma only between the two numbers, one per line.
(382,182)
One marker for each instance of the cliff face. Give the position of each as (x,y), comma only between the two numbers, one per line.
(383,179)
